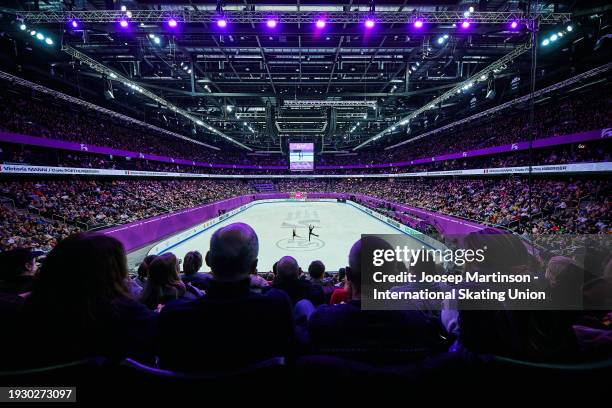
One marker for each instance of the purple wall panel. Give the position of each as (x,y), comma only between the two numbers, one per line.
(139,233)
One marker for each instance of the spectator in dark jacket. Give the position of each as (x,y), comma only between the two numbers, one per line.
(18,271)
(288,280)
(80,306)
(346,325)
(231,324)
(192,262)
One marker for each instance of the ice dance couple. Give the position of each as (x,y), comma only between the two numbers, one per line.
(310,233)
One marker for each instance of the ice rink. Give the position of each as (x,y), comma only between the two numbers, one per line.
(338,225)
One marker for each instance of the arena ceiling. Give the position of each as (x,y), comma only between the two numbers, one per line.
(340,83)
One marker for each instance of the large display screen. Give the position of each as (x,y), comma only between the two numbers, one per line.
(301,156)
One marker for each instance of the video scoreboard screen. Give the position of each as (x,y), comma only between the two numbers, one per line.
(301,156)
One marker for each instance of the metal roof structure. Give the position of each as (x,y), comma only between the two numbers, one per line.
(316,73)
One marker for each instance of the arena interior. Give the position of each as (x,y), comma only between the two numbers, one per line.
(188,190)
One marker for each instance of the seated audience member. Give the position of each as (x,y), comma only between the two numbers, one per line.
(523,334)
(164,284)
(231,324)
(347,326)
(191,265)
(143,270)
(566,280)
(428,267)
(341,278)
(80,306)
(339,295)
(316,273)
(258,282)
(18,270)
(288,280)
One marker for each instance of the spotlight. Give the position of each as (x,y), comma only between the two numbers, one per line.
(151,35)
(513,25)
(553,37)
(157,40)
(569,28)
(369,23)
(445,36)
(49,41)
(123,8)
(40,36)
(271,23)
(320,23)
(465,25)
(440,40)
(33,33)
(74,23)
(22,27)
(172,23)
(471,9)
(418,24)
(221,23)
(545,42)
(123,23)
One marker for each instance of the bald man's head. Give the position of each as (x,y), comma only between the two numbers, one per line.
(233,252)
(287,268)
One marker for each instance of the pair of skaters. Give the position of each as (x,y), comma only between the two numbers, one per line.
(310,233)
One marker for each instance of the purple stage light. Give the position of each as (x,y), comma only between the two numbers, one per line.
(271,23)
(514,25)
(369,23)
(74,23)
(221,23)
(418,24)
(172,23)
(465,25)
(123,23)
(320,23)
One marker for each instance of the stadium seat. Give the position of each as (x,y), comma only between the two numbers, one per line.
(163,384)
(59,374)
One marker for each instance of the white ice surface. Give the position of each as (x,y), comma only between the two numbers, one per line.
(338,225)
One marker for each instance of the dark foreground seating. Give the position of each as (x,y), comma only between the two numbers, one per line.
(73,372)
(444,377)
(579,375)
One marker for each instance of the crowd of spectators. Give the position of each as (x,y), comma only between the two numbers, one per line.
(42,116)
(39,116)
(559,117)
(558,205)
(20,229)
(85,303)
(96,203)
(595,151)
